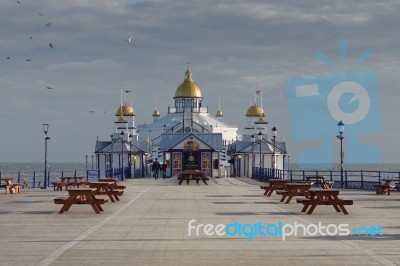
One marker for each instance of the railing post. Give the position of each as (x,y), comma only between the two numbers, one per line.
(345,178)
(34,179)
(362,179)
(19,177)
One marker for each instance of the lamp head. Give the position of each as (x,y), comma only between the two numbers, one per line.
(259,136)
(45,128)
(341,127)
(252,139)
(274,132)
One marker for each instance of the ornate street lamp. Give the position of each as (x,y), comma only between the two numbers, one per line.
(252,139)
(112,156)
(274,134)
(130,137)
(122,155)
(341,137)
(259,136)
(46,138)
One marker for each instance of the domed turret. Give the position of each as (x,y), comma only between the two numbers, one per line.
(219,114)
(127,110)
(188,88)
(255,111)
(156,113)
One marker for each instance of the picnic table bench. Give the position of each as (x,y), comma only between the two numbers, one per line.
(274,184)
(192,175)
(9,186)
(382,189)
(292,190)
(319,180)
(114,183)
(66,181)
(105,188)
(81,196)
(324,197)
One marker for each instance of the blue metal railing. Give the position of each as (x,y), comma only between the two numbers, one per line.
(360,179)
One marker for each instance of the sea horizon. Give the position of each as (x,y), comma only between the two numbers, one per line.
(81,166)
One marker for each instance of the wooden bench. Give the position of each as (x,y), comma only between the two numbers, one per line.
(324,197)
(274,185)
(62,200)
(192,175)
(382,189)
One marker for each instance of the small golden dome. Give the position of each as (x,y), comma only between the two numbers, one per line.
(127,110)
(255,111)
(188,88)
(156,113)
(219,113)
(120,120)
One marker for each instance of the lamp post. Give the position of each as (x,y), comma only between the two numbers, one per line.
(274,134)
(122,155)
(86,156)
(134,165)
(92,160)
(252,139)
(239,162)
(130,153)
(112,156)
(45,129)
(259,136)
(288,165)
(341,137)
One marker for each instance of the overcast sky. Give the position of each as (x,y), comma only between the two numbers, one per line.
(233,47)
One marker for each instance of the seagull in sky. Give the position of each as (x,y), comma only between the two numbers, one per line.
(28,60)
(51,45)
(18,2)
(129,40)
(8,57)
(91,111)
(49,24)
(30,37)
(126,91)
(49,88)
(41,14)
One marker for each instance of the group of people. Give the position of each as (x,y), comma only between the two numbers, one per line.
(157,167)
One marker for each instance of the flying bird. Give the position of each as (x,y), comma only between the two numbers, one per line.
(51,45)
(49,24)
(8,57)
(49,88)
(18,2)
(30,37)
(28,60)
(129,40)
(41,14)
(91,111)
(126,91)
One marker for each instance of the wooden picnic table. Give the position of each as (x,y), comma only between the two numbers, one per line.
(294,189)
(113,181)
(192,175)
(81,196)
(319,180)
(106,188)
(382,189)
(320,196)
(10,187)
(66,182)
(274,184)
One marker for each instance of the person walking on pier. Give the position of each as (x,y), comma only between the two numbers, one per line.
(156,168)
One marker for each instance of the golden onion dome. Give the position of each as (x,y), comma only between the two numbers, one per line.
(188,88)
(156,113)
(219,113)
(255,111)
(127,110)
